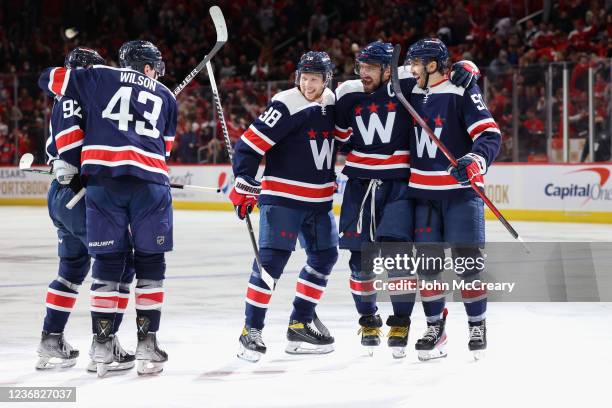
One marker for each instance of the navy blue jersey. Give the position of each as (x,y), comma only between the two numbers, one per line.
(296,138)
(376,127)
(65,132)
(461,120)
(131,119)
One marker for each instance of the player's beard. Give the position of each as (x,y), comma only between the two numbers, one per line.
(370,84)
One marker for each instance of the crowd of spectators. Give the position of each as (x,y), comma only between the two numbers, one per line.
(266,38)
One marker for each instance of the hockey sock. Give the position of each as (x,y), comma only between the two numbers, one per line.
(124,290)
(311,283)
(362,286)
(149,301)
(63,290)
(61,297)
(474,300)
(107,271)
(433,297)
(104,300)
(403,291)
(258,294)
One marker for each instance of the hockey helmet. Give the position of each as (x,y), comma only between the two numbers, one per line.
(138,53)
(316,62)
(83,57)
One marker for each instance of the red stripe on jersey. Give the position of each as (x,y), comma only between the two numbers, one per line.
(342,135)
(374,161)
(59,74)
(481,128)
(147,299)
(69,138)
(472,293)
(310,192)
(59,300)
(259,297)
(115,156)
(432,179)
(362,286)
(169,146)
(308,290)
(257,140)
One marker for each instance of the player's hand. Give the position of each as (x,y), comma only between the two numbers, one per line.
(244,195)
(64,171)
(464,73)
(470,168)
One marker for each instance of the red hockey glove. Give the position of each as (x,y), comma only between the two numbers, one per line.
(244,195)
(470,168)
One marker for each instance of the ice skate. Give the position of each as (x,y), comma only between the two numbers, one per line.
(309,338)
(252,346)
(370,332)
(55,352)
(432,344)
(101,351)
(398,335)
(150,357)
(478,339)
(122,359)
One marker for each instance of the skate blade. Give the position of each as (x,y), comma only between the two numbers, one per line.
(251,356)
(370,350)
(114,366)
(398,352)
(50,363)
(426,355)
(300,347)
(478,354)
(148,367)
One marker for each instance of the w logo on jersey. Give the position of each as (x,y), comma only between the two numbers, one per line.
(324,156)
(375,126)
(424,141)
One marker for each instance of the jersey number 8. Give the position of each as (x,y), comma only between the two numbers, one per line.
(270,117)
(122,96)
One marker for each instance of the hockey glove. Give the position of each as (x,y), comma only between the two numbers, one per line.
(470,168)
(244,195)
(464,74)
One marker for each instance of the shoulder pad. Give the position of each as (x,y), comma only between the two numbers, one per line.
(353,85)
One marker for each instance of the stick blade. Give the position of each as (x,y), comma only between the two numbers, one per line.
(26,161)
(217,16)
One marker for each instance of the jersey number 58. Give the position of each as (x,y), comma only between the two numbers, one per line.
(122,97)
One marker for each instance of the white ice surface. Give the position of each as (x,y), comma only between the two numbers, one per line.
(540,354)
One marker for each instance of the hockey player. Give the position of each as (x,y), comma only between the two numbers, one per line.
(295,135)
(64,153)
(447,210)
(376,206)
(131,121)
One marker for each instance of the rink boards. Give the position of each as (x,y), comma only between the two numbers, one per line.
(528,192)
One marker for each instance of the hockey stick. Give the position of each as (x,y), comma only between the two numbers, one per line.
(451,158)
(221,28)
(265,276)
(25,164)
(26,160)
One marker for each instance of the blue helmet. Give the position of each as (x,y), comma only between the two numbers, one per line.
(377,52)
(138,53)
(427,50)
(316,62)
(83,57)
